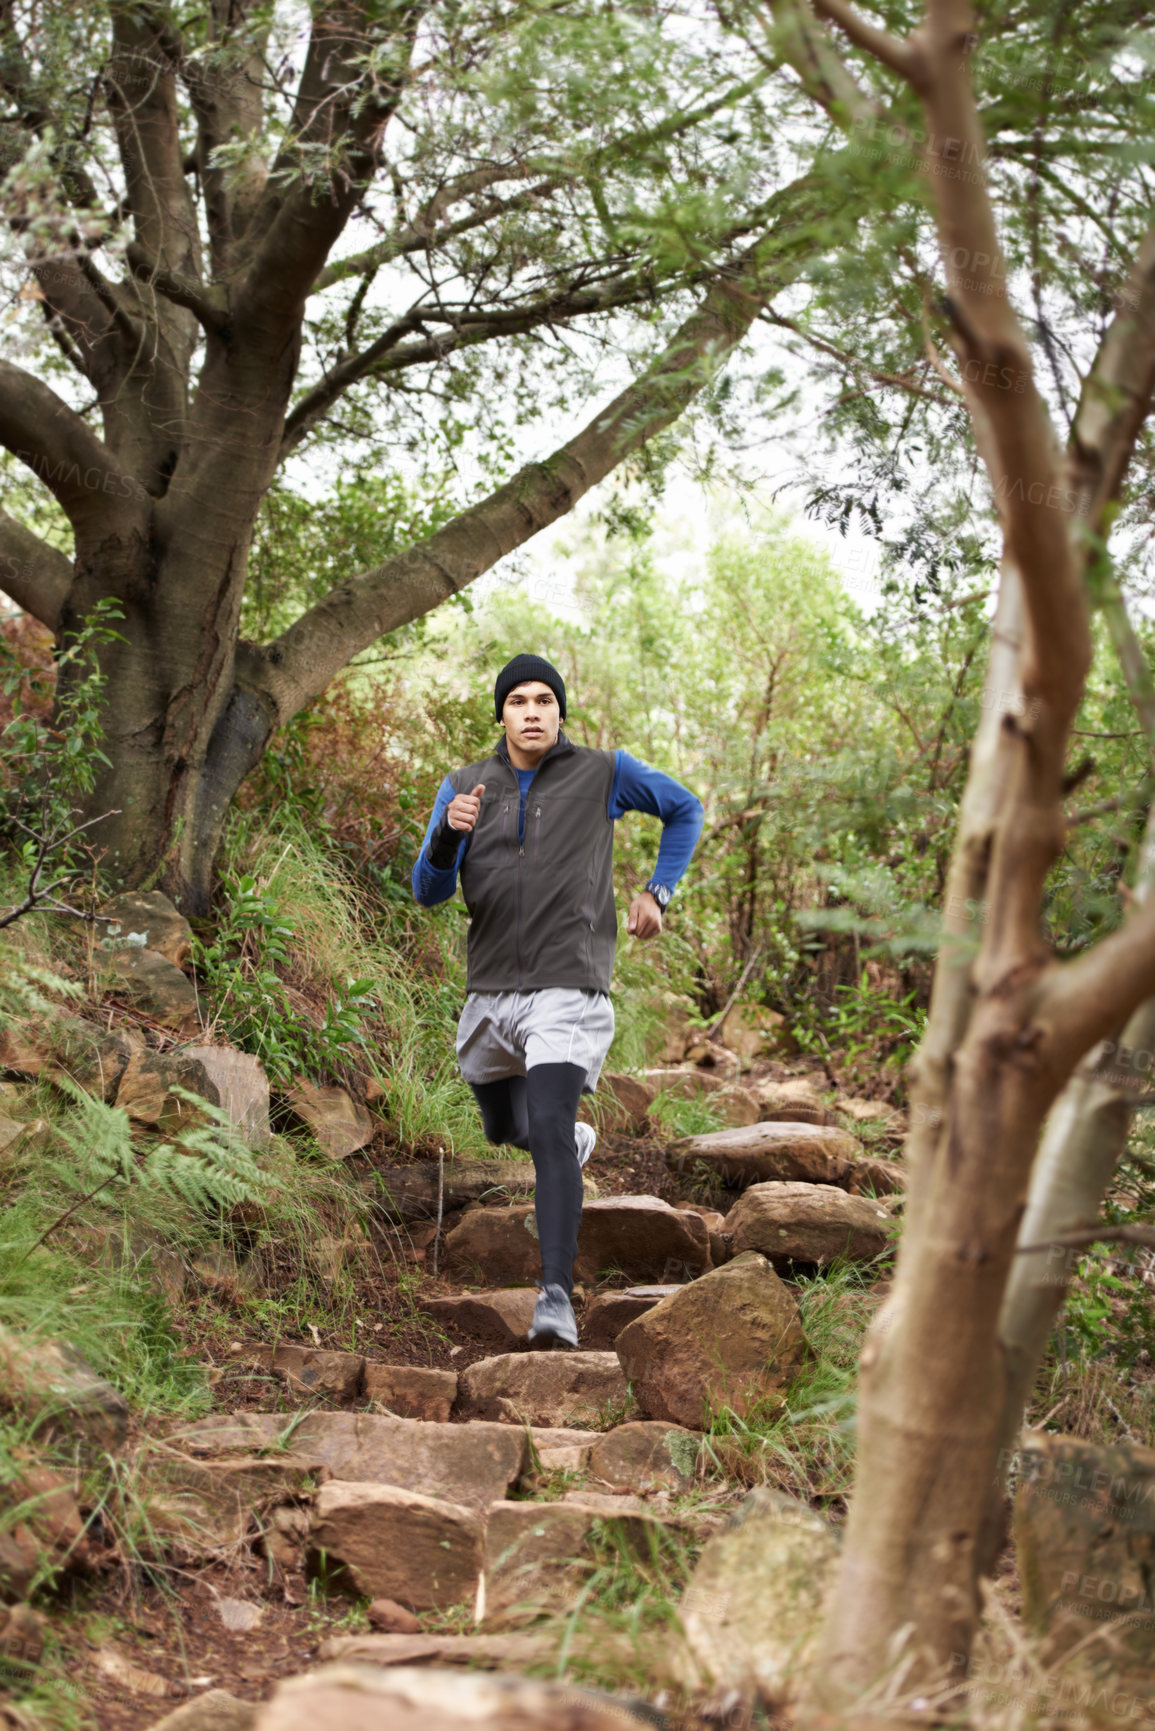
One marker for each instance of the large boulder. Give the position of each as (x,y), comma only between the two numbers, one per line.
(472,1464)
(424,1552)
(1085,1537)
(337,1123)
(50,1384)
(215,1710)
(728,1340)
(499,1318)
(92,1057)
(152,921)
(409,1193)
(154,985)
(544,1388)
(753,1607)
(794,1101)
(684,1084)
(807,1153)
(638,1237)
(606,1315)
(356,1697)
(808,1223)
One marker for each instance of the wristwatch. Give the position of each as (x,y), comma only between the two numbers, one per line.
(660,894)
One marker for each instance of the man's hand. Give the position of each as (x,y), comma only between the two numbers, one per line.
(464,809)
(645,919)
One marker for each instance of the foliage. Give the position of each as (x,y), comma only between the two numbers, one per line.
(249,998)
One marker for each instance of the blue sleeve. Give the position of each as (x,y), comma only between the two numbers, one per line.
(431,886)
(637,787)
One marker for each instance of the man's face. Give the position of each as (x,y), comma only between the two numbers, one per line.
(531,717)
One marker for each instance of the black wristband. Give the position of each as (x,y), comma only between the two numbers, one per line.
(443,846)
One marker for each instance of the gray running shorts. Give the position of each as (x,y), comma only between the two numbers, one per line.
(507,1033)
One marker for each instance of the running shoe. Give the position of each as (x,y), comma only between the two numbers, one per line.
(586,1137)
(553,1319)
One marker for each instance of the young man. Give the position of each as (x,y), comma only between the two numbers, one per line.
(530,829)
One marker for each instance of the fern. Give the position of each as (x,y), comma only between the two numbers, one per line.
(207,1166)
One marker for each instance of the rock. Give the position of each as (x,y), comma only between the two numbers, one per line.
(808,1223)
(425,1552)
(21,1561)
(871,1177)
(560,1449)
(52,1385)
(753,1607)
(641,1238)
(792,1102)
(410,1391)
(646,1456)
(875,1112)
(204,1508)
(545,1388)
(606,1315)
(156,986)
(471,1464)
(285,1536)
(1085,1535)
(231,1080)
(677,1030)
(239,1086)
(215,1710)
(752,1029)
(729,1339)
(41,1527)
(391,1618)
(153,921)
(90,1056)
(499,1318)
(338,1124)
(538,1555)
(352,1697)
(417,1649)
(635,1236)
(736,1105)
(334,1376)
(623,1102)
(21,1636)
(408,1193)
(685,1084)
(10,1134)
(808,1153)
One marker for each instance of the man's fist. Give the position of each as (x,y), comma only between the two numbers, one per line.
(465,809)
(645,919)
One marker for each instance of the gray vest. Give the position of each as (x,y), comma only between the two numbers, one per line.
(541,912)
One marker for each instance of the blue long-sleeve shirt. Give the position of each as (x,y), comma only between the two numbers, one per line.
(635,787)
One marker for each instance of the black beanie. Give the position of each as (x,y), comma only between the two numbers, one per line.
(523,668)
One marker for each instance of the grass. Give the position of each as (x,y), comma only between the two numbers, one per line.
(803,1443)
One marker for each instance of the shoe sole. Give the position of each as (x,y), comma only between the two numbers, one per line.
(546,1341)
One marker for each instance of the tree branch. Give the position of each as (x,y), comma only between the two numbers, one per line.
(466,330)
(36,576)
(891,51)
(304,659)
(337,113)
(208,305)
(62,451)
(228,100)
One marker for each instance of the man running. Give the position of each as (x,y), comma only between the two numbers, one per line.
(530,829)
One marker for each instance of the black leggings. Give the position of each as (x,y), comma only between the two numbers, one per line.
(538,1111)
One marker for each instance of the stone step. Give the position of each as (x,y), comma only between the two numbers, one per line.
(497,1318)
(409,1193)
(607,1314)
(787,1153)
(638,1237)
(471,1464)
(544,1388)
(808,1224)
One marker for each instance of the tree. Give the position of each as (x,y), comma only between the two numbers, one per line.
(1008,1021)
(181,202)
